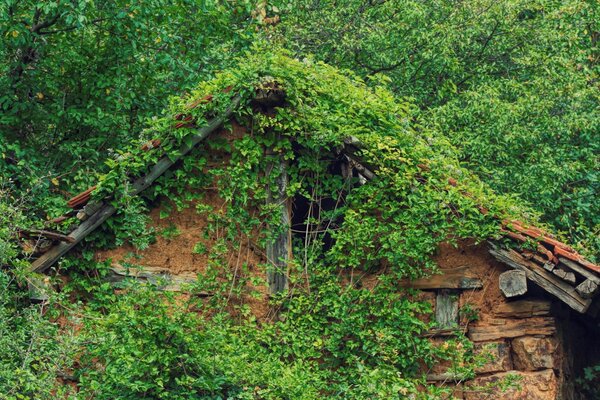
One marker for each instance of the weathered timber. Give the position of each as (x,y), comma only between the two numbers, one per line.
(587,289)
(442,332)
(352,149)
(543,278)
(104,211)
(279,249)
(548,266)
(362,170)
(456,278)
(567,276)
(446,308)
(163,279)
(62,218)
(88,210)
(47,234)
(513,283)
(509,328)
(523,309)
(580,270)
(46,260)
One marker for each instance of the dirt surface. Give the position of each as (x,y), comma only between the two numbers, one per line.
(482,265)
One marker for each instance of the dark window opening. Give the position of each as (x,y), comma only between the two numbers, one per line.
(313,220)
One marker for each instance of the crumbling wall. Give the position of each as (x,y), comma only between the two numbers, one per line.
(185,244)
(519,337)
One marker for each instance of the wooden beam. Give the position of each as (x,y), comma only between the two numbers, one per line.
(47,259)
(352,149)
(47,234)
(279,248)
(456,278)
(546,280)
(513,283)
(510,328)
(159,277)
(580,270)
(88,210)
(587,289)
(523,309)
(443,332)
(362,170)
(104,211)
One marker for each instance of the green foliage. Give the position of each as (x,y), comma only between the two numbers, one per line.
(590,382)
(142,344)
(400,217)
(32,350)
(511,83)
(199,248)
(80,78)
(333,338)
(550,161)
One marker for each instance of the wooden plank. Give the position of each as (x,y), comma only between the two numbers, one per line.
(580,270)
(279,249)
(88,210)
(443,332)
(47,234)
(587,289)
(47,259)
(362,170)
(566,276)
(159,277)
(106,210)
(513,283)
(523,309)
(456,278)
(446,309)
(511,328)
(352,149)
(543,278)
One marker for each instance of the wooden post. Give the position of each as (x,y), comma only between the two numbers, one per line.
(279,249)
(513,283)
(446,309)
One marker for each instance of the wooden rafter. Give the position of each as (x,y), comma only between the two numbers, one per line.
(105,210)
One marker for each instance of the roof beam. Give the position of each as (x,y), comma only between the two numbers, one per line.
(542,278)
(105,210)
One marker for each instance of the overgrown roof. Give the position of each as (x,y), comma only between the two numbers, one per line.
(419,195)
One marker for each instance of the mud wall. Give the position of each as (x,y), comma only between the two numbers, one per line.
(516,337)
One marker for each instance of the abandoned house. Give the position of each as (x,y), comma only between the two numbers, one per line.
(534,296)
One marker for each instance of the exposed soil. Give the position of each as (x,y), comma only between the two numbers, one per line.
(482,265)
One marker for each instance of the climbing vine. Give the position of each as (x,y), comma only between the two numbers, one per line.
(348,338)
